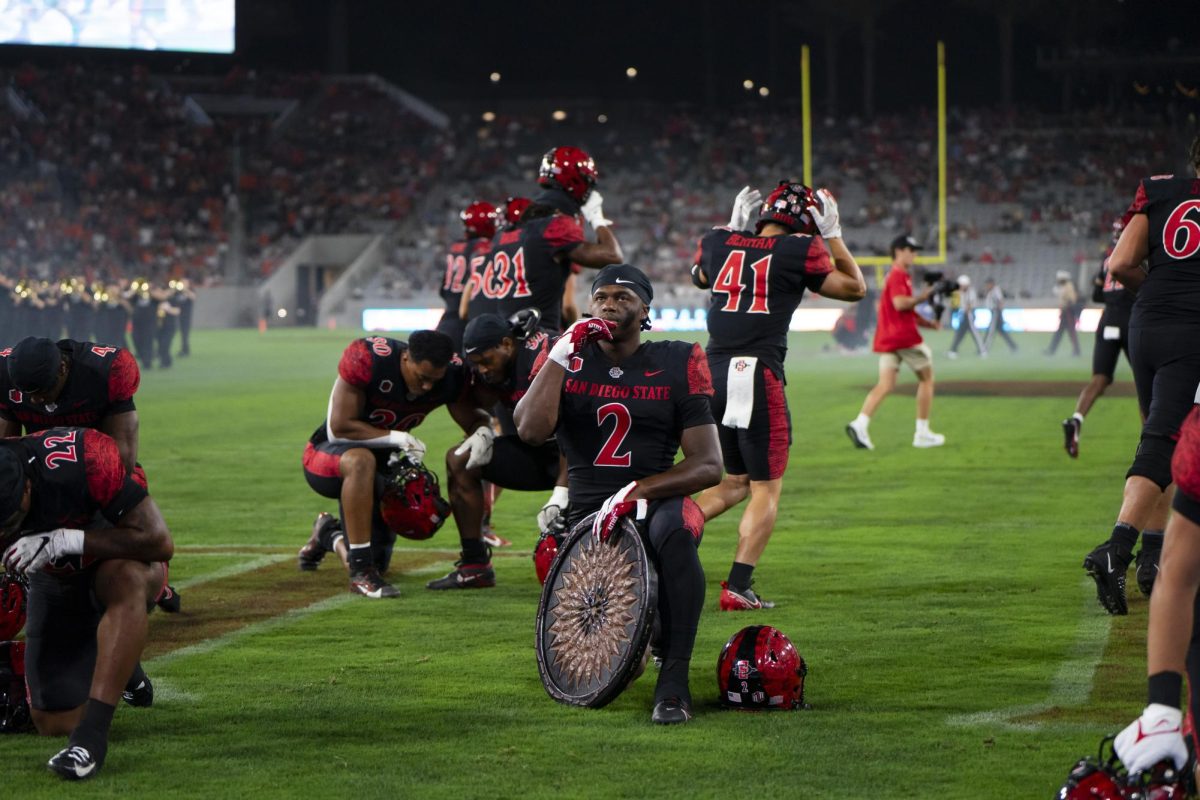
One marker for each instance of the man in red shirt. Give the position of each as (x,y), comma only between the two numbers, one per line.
(896,341)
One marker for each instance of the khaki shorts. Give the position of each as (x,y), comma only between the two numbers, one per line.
(917,358)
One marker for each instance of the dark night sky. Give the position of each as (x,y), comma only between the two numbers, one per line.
(445,51)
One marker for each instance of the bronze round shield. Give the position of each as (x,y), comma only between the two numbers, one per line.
(596,615)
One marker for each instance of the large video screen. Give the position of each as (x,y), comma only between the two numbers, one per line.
(201,26)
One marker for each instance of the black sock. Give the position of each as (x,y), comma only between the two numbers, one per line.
(1152,540)
(1124,536)
(329,533)
(361,558)
(136,679)
(475,551)
(739,576)
(92,731)
(680,601)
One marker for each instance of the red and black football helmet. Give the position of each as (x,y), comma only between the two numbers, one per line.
(514,209)
(479,219)
(412,505)
(759,668)
(14,592)
(788,205)
(547,547)
(1103,778)
(569,169)
(14,702)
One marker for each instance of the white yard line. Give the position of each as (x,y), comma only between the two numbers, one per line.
(1072,683)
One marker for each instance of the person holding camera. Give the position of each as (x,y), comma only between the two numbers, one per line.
(898,341)
(1069,306)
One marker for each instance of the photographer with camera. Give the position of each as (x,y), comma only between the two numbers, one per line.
(897,341)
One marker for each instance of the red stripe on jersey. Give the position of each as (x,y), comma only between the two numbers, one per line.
(323,465)
(139,477)
(123,377)
(102,465)
(541,360)
(1138,206)
(817,262)
(355,366)
(562,232)
(699,251)
(777,443)
(699,376)
(1185,464)
(693,519)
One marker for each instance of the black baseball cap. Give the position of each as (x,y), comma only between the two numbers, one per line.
(905,241)
(485,332)
(12,482)
(33,365)
(628,276)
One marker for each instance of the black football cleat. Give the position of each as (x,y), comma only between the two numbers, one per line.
(466,576)
(1107,567)
(140,696)
(74,763)
(369,583)
(671,711)
(1071,428)
(169,600)
(1147,568)
(309,557)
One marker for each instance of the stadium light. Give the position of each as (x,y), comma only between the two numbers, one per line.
(763,91)
(494,77)
(631,72)
(603,118)
(489,116)
(559,115)
(747,84)
(281,313)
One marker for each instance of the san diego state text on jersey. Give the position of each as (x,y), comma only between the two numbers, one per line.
(757,282)
(101,383)
(619,423)
(1171,291)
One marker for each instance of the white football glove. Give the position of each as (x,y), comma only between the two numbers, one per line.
(554,506)
(413,447)
(31,553)
(745,204)
(576,337)
(479,445)
(615,507)
(1153,737)
(593,211)
(828,222)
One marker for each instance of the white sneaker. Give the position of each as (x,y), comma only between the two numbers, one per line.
(858,435)
(950,354)
(929,439)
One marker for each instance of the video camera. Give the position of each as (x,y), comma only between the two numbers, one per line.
(943,287)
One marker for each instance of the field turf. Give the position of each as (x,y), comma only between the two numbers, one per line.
(954,645)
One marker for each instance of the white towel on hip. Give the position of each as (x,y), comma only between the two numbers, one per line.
(739,392)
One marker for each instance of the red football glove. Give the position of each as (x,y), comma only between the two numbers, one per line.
(577,337)
(615,507)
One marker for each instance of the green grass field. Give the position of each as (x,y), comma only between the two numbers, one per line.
(955,648)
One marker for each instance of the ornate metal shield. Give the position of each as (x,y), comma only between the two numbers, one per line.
(596,615)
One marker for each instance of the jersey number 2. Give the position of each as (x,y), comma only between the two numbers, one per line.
(729,283)
(608,456)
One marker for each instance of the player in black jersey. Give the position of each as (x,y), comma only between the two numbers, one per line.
(46,384)
(93,544)
(529,265)
(1164,348)
(622,409)
(1112,339)
(757,280)
(504,360)
(479,226)
(384,389)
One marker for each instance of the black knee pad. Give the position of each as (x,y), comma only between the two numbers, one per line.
(1153,460)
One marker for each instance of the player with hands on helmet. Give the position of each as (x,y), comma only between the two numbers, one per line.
(756,280)
(503,354)
(384,389)
(621,409)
